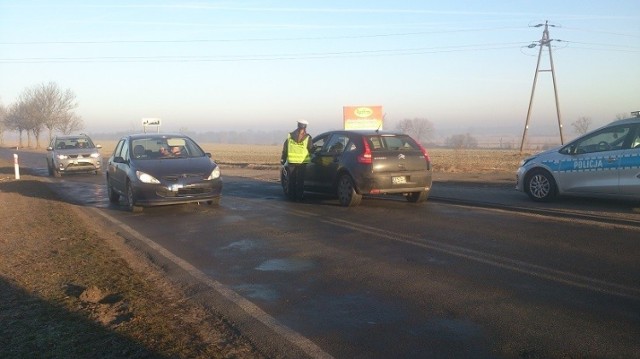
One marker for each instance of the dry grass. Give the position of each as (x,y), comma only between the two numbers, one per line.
(444,159)
(70,288)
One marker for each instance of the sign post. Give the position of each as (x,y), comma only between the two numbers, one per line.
(151,122)
(16,166)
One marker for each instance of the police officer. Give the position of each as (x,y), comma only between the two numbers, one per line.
(296,154)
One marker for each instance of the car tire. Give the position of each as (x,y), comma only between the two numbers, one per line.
(347,195)
(114,197)
(131,200)
(214,202)
(417,197)
(287,189)
(540,186)
(57,173)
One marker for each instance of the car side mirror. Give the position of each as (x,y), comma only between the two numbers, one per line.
(98,146)
(208,154)
(49,148)
(119,159)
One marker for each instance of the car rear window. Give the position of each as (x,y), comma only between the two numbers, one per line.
(392,143)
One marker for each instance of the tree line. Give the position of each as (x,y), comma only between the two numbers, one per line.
(44,107)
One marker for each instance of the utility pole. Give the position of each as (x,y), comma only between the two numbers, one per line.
(544,42)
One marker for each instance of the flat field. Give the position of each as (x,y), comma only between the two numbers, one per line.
(443,159)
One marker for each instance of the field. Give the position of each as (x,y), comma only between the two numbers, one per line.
(444,160)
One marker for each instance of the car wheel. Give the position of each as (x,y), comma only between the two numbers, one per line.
(57,173)
(540,186)
(214,202)
(114,197)
(131,200)
(417,197)
(347,194)
(287,189)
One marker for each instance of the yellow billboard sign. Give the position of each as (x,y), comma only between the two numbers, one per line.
(362,117)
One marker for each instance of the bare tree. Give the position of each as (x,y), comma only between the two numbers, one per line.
(404,126)
(69,124)
(420,129)
(3,122)
(461,141)
(622,116)
(581,125)
(53,108)
(29,115)
(16,119)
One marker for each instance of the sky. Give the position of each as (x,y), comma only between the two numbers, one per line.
(466,66)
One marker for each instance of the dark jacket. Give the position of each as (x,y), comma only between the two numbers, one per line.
(294,135)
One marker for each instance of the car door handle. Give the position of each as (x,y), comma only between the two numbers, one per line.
(612,159)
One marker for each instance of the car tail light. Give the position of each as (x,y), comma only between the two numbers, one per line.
(424,152)
(365,156)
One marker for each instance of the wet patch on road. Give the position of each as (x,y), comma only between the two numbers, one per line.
(242,245)
(286,265)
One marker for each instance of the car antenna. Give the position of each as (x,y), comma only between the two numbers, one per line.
(378,129)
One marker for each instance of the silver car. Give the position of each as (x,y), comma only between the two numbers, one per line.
(604,162)
(73,154)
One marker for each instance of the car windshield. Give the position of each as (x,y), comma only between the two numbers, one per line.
(71,143)
(165,147)
(391,142)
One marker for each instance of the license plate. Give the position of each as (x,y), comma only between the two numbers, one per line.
(399,180)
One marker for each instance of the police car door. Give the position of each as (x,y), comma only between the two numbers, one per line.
(593,162)
(630,167)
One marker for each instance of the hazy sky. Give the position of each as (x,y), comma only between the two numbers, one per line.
(222,65)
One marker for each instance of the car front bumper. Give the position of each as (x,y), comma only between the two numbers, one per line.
(78,165)
(177,193)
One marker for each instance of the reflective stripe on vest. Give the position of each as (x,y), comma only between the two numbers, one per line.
(298,152)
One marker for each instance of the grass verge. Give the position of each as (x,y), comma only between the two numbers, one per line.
(71,289)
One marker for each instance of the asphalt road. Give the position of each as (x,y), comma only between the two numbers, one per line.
(477,271)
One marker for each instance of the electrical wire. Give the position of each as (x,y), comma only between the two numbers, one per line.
(268,57)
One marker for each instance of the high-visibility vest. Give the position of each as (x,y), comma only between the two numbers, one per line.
(298,152)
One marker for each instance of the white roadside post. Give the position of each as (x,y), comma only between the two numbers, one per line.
(15,165)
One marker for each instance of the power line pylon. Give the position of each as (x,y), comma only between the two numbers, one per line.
(544,42)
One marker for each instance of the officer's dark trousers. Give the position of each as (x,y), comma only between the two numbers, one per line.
(296,173)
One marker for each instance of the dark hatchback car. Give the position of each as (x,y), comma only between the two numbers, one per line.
(351,164)
(161,169)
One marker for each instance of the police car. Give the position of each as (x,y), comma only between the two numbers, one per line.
(604,162)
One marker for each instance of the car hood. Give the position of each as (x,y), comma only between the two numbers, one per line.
(174,166)
(552,151)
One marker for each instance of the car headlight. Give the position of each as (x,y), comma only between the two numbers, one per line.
(214,174)
(62,157)
(95,155)
(146,178)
